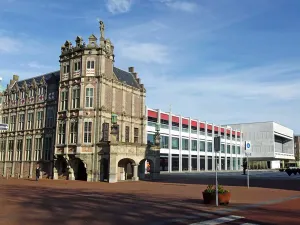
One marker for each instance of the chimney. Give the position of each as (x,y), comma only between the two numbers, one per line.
(15,77)
(131,69)
(135,75)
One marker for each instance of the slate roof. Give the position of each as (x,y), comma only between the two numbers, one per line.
(38,78)
(123,76)
(126,77)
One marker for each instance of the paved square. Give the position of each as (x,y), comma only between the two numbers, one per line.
(175,199)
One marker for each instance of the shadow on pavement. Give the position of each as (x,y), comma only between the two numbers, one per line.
(230,181)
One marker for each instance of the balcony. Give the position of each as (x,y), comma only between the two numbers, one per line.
(175,128)
(202,133)
(151,124)
(164,126)
(194,131)
(186,130)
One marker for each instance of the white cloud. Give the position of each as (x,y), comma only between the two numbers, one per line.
(118,6)
(9,45)
(143,52)
(36,65)
(182,5)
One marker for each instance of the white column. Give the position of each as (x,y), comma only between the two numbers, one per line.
(220,161)
(225,136)
(231,159)
(213,148)
(135,173)
(206,158)
(190,147)
(170,143)
(198,145)
(180,144)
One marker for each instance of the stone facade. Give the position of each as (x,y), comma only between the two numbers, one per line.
(29,107)
(64,120)
(91,90)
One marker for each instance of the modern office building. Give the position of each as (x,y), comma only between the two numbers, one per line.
(187,144)
(272,143)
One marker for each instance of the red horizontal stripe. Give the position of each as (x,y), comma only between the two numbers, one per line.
(194,123)
(185,121)
(152,114)
(164,116)
(202,125)
(209,127)
(222,130)
(216,128)
(175,119)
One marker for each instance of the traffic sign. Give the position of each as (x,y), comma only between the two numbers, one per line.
(248,146)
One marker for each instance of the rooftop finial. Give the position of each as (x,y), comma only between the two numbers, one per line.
(101,29)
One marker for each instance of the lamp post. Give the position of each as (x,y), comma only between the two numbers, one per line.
(157,134)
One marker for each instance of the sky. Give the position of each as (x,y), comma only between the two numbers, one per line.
(220,61)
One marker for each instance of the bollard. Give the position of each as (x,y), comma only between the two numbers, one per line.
(18,176)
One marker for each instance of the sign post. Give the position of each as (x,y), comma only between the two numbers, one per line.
(248,153)
(217,148)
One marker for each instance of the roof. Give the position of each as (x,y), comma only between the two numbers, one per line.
(123,76)
(126,77)
(38,78)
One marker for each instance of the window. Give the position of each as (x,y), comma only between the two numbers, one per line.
(175,143)
(77,66)
(202,146)
(209,147)
(233,149)
(118,132)
(48,146)
(89,97)
(41,90)
(2,150)
(90,64)
(64,100)
(127,134)
(76,98)
(228,149)
(238,149)
(61,133)
(13,96)
(150,138)
(136,135)
(105,131)
(38,149)
(222,148)
(5,119)
(40,118)
(73,135)
(31,93)
(164,141)
(185,144)
(12,123)
(21,121)
(194,145)
(19,150)
(66,69)
(87,132)
(10,150)
(30,121)
(50,118)
(22,95)
(28,149)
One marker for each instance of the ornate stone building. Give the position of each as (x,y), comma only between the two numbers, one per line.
(89,144)
(84,122)
(29,108)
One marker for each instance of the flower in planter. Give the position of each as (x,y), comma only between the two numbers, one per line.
(210,189)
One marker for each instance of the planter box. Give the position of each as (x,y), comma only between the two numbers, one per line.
(210,198)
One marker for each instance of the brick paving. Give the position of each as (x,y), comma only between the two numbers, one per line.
(73,202)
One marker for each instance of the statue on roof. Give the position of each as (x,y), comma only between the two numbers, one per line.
(102,29)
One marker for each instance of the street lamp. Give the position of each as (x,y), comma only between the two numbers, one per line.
(157,127)
(157,134)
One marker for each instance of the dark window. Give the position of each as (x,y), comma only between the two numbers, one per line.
(127,134)
(136,135)
(105,131)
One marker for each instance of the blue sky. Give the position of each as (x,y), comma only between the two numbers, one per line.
(221,61)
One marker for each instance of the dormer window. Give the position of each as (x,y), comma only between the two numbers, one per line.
(31,93)
(77,66)
(22,94)
(66,69)
(90,65)
(41,90)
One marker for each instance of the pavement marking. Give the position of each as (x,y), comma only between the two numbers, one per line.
(219,220)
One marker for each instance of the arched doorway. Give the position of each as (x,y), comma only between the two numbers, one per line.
(125,169)
(79,169)
(61,165)
(146,169)
(104,169)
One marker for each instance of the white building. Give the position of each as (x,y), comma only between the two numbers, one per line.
(270,142)
(187,144)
